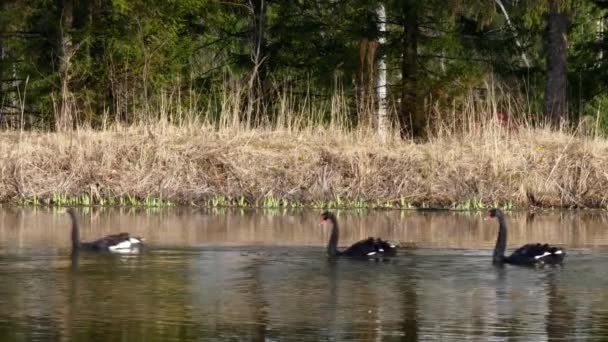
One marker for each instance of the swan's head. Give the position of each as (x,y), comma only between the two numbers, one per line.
(327,216)
(493,213)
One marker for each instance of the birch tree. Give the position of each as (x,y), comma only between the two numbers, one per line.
(382,110)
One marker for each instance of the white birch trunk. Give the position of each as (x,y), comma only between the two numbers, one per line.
(383,119)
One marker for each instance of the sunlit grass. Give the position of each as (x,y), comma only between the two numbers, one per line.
(85,200)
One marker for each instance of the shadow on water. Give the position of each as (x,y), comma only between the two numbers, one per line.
(408,286)
(561,315)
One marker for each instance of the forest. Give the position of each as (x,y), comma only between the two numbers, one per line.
(404,64)
(323,103)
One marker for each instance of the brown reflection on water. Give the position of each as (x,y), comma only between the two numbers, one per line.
(44,228)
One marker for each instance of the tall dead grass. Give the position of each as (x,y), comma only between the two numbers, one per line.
(302,156)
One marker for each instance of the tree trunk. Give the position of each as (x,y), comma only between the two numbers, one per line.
(365,81)
(382,114)
(411,118)
(600,36)
(256,80)
(65,51)
(1,75)
(556,107)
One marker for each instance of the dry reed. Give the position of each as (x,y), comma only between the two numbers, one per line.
(472,161)
(194,163)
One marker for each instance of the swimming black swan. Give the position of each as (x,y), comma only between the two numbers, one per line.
(121,242)
(529,254)
(370,248)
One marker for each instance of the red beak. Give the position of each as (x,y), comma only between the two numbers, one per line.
(488,217)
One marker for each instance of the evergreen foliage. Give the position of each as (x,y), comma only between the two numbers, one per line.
(117,60)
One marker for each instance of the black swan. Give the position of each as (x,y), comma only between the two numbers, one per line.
(530,254)
(369,248)
(121,242)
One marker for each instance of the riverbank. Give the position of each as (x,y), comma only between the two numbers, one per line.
(163,164)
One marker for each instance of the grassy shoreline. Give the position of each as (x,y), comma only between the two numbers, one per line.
(161,165)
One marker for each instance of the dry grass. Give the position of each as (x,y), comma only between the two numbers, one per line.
(309,154)
(195,162)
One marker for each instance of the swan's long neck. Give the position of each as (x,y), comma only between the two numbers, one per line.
(332,246)
(75,233)
(501,242)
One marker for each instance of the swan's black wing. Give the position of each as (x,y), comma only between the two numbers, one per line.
(111,242)
(386,248)
(537,253)
(371,248)
(362,249)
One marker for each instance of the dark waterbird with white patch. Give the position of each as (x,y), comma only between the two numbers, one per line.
(530,254)
(118,243)
(369,248)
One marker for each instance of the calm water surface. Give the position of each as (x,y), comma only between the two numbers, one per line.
(263,275)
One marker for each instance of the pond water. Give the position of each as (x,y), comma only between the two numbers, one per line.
(263,275)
